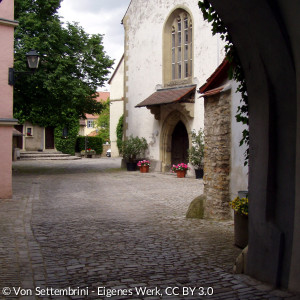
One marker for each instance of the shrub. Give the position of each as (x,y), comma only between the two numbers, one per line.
(65,136)
(119,132)
(134,147)
(196,152)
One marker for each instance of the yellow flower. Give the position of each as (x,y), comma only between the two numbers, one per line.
(240,205)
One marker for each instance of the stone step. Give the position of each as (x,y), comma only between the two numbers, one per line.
(46,155)
(41,152)
(52,158)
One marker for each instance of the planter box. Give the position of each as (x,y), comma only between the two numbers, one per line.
(131,166)
(90,154)
(240,230)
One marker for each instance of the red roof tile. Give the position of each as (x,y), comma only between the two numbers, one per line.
(93,133)
(168,96)
(101,97)
(215,91)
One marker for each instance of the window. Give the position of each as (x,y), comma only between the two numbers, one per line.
(65,132)
(181,47)
(178,51)
(29,131)
(90,124)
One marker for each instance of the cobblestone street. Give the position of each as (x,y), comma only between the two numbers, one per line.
(87,224)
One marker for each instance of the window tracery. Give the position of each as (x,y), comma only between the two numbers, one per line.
(181,47)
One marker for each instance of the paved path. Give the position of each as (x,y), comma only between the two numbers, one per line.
(87,227)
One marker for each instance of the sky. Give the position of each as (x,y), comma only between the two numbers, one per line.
(99,16)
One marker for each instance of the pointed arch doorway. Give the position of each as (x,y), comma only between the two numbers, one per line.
(180,144)
(175,140)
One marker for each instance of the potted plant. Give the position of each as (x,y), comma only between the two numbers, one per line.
(180,170)
(240,207)
(196,152)
(144,165)
(132,148)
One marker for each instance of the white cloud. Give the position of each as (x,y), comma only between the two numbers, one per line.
(97,5)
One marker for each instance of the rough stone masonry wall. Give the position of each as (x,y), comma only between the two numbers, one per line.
(217,156)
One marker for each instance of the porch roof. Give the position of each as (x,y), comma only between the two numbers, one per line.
(169,96)
(217,90)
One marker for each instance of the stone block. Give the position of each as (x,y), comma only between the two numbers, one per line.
(241,262)
(196,208)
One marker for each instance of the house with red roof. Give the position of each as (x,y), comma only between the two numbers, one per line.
(88,125)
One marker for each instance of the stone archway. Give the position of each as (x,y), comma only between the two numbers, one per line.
(266,36)
(168,128)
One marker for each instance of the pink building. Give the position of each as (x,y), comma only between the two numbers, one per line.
(7,122)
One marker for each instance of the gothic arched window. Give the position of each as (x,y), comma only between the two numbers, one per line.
(182,47)
(178,47)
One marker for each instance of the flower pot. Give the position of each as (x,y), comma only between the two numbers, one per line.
(181,173)
(243,194)
(144,169)
(240,230)
(199,173)
(131,166)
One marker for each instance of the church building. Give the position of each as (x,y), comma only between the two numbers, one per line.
(171,66)
(169,53)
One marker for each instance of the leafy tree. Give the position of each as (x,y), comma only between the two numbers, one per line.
(73,65)
(103,122)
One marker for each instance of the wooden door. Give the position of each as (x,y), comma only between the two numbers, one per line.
(19,139)
(49,137)
(180,144)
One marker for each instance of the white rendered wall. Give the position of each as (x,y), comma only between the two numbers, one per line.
(116,105)
(117,82)
(239,173)
(144,24)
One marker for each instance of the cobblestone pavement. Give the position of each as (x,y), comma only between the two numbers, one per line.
(87,227)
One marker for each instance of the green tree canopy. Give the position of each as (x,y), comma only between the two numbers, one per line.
(73,65)
(103,122)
